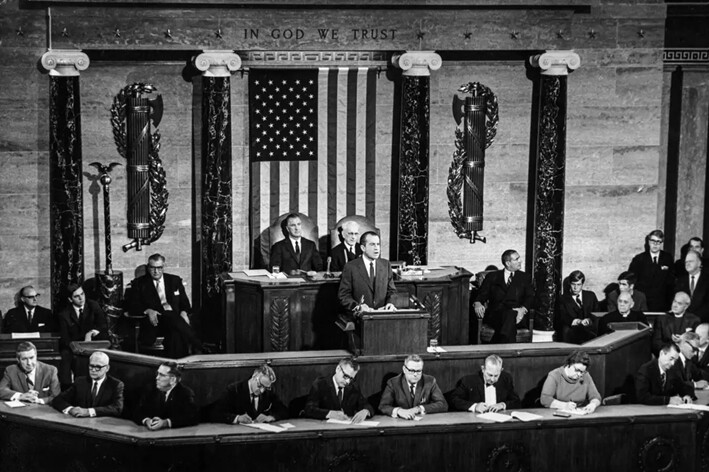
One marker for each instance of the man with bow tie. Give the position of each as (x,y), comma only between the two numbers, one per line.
(349,249)
(28,316)
(250,401)
(491,389)
(29,380)
(99,394)
(162,299)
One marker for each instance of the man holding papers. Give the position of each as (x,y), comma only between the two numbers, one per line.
(338,397)
(251,401)
(657,383)
(491,389)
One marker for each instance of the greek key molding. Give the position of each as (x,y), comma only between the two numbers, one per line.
(556,62)
(417,63)
(686,56)
(65,62)
(214,63)
(313,58)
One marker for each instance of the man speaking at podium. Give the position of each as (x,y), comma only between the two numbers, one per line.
(367,283)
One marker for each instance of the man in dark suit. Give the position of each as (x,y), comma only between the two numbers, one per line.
(508,294)
(295,253)
(28,317)
(96,395)
(81,320)
(250,401)
(162,299)
(491,389)
(576,323)
(654,271)
(412,392)
(696,284)
(686,367)
(338,397)
(657,384)
(624,313)
(667,328)
(626,283)
(367,283)
(702,359)
(694,244)
(168,403)
(29,381)
(349,249)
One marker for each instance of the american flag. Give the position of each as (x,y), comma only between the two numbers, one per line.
(312,144)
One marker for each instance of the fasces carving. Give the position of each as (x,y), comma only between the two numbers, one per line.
(280,324)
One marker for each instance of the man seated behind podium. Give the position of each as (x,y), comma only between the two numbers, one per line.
(658,384)
(338,397)
(412,392)
(29,381)
(250,401)
(367,283)
(295,253)
(168,403)
(624,313)
(491,389)
(349,249)
(28,316)
(96,395)
(668,327)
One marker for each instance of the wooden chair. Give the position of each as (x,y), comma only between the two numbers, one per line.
(277,232)
(524,335)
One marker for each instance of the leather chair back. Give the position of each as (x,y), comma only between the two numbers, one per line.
(277,232)
(364,226)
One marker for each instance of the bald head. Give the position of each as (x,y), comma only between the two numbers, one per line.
(625,303)
(98,365)
(680,303)
(703,332)
(692,262)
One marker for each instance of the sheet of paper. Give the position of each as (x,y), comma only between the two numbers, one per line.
(266,427)
(255,272)
(433,349)
(25,335)
(350,423)
(15,404)
(286,425)
(278,276)
(576,411)
(524,416)
(690,406)
(496,417)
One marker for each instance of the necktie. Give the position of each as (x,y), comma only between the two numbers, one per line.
(412,387)
(663,378)
(160,287)
(30,384)
(81,315)
(509,279)
(350,255)
(654,260)
(254,402)
(578,301)
(29,316)
(94,392)
(340,394)
(691,287)
(163,398)
(297,250)
(371,273)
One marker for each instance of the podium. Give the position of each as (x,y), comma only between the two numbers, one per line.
(387,332)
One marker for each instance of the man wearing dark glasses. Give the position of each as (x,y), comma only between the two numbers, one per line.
(28,316)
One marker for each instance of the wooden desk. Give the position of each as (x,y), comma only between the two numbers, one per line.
(264,315)
(47,345)
(615,438)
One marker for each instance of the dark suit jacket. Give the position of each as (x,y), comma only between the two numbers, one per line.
(500,298)
(323,398)
(180,407)
(46,382)
(16,321)
(397,394)
(283,256)
(616,317)
(71,329)
(689,372)
(354,284)
(702,361)
(237,401)
(109,399)
(653,281)
(569,309)
(471,389)
(340,256)
(639,301)
(664,329)
(144,295)
(648,385)
(700,298)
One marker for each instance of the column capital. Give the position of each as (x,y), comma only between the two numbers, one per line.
(556,62)
(417,63)
(65,62)
(217,63)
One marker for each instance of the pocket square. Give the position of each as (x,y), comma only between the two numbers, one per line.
(45,389)
(40,324)
(177,292)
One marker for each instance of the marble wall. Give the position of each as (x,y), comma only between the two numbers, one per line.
(614,192)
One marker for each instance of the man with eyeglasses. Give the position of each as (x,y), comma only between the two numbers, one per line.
(686,367)
(81,320)
(30,381)
(654,270)
(412,393)
(28,316)
(658,384)
(669,327)
(250,401)
(168,403)
(98,394)
(695,282)
(505,298)
(337,397)
(162,299)
(491,389)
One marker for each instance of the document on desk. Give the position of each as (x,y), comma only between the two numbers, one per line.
(576,411)
(496,417)
(25,335)
(256,272)
(15,404)
(524,416)
(350,423)
(690,406)
(266,427)
(434,349)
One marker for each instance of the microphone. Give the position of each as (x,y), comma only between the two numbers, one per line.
(329,260)
(415,301)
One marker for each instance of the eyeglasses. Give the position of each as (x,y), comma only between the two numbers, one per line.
(31,297)
(346,376)
(261,386)
(96,366)
(156,268)
(655,241)
(414,371)
(579,371)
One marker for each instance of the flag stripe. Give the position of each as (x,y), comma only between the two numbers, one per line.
(360,164)
(323,147)
(342,125)
(370,151)
(351,130)
(332,148)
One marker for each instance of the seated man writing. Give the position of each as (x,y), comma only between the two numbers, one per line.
(412,392)
(491,389)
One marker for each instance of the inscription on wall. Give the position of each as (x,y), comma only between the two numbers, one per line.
(354,34)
